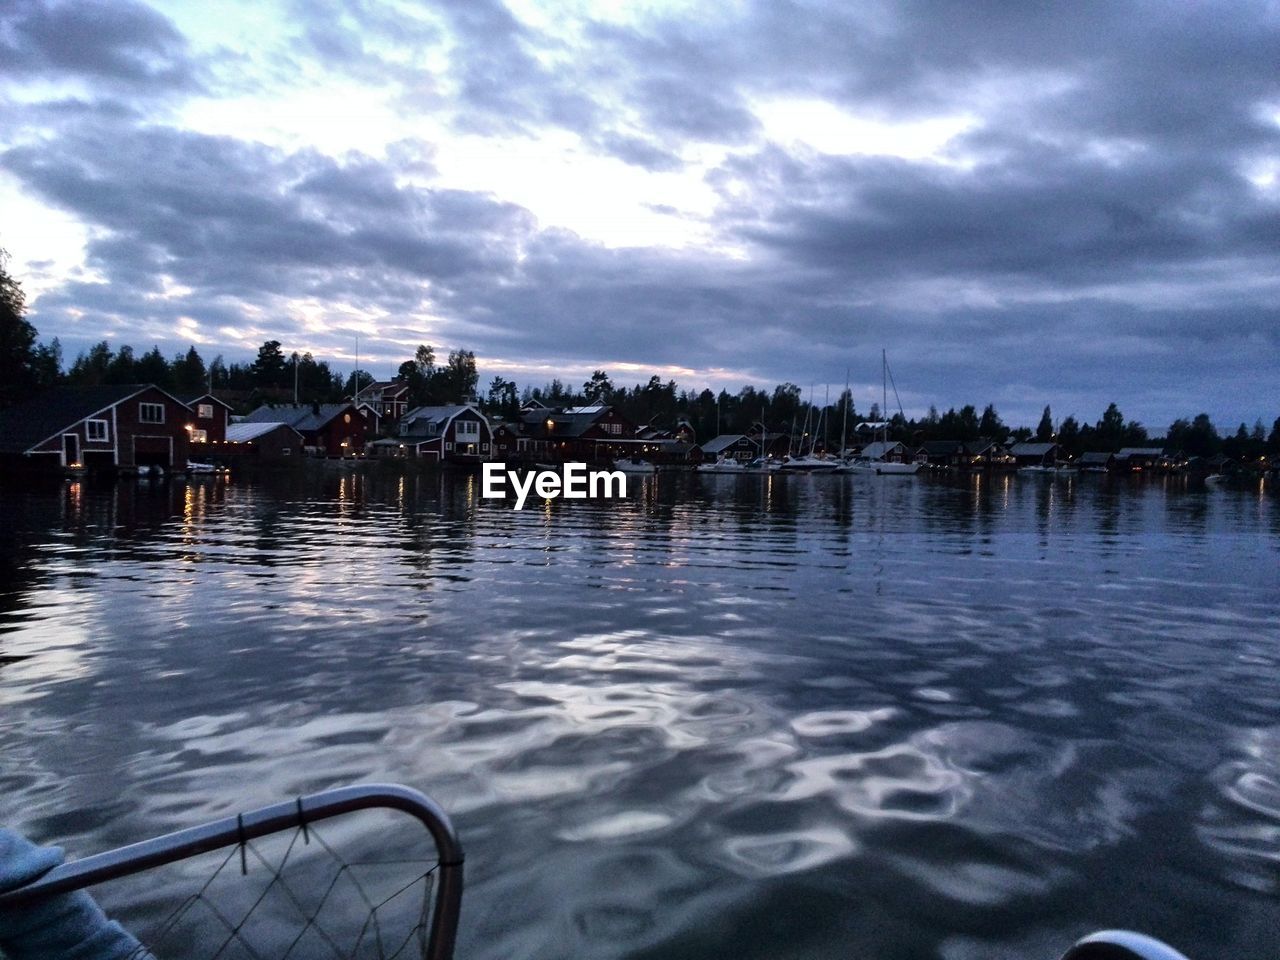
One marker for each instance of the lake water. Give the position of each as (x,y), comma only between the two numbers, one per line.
(727,717)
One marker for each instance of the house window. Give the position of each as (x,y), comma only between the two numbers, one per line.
(448,445)
(151,412)
(96,430)
(205,411)
(199,436)
(285,451)
(467,431)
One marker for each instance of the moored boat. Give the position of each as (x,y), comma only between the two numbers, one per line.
(634,465)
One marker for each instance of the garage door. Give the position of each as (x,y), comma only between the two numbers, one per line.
(153,451)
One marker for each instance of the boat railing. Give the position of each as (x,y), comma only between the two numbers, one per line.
(268,883)
(1121,945)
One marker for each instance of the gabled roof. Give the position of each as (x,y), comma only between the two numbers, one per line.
(190,399)
(433,421)
(1096,456)
(878,449)
(34,421)
(982,445)
(724,441)
(1127,452)
(942,448)
(376,390)
(1033,449)
(244,432)
(300,416)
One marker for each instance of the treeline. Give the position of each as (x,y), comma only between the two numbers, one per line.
(273,375)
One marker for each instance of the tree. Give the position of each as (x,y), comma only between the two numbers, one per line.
(1044,430)
(189,373)
(122,368)
(991,426)
(456,380)
(47,364)
(153,368)
(1069,437)
(90,369)
(599,389)
(1110,429)
(17,339)
(503,399)
(270,368)
(1273,441)
(1195,438)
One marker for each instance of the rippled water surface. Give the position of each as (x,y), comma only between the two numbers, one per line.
(728,717)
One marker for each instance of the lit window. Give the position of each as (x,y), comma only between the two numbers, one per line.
(151,412)
(346,418)
(96,430)
(205,411)
(200,436)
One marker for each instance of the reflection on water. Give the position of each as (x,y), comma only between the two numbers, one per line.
(730,716)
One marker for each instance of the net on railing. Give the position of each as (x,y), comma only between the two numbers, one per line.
(275,884)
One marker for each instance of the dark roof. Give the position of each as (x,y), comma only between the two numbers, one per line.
(1033,449)
(33,421)
(301,416)
(1096,456)
(724,441)
(942,448)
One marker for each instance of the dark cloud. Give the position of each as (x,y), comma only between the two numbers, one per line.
(118,41)
(1092,235)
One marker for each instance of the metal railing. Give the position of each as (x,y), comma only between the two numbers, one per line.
(242,829)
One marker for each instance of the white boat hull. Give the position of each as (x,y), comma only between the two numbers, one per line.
(896,469)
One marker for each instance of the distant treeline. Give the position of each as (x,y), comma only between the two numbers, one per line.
(27,366)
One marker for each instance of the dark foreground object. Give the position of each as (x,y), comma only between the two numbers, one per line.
(1121,945)
(239,831)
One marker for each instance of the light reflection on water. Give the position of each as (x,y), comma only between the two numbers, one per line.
(748,716)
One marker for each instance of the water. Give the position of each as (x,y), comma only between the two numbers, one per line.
(730,716)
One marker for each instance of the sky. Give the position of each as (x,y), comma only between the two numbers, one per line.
(1024,204)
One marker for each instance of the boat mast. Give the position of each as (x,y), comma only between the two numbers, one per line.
(844,412)
(884,399)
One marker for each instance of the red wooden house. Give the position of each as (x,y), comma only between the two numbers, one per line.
(103,427)
(328,429)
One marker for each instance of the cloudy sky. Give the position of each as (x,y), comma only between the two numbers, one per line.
(1025,206)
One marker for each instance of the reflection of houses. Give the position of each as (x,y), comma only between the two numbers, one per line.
(263,443)
(1034,454)
(388,399)
(327,429)
(458,433)
(97,427)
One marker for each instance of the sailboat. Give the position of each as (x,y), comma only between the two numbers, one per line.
(877,464)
